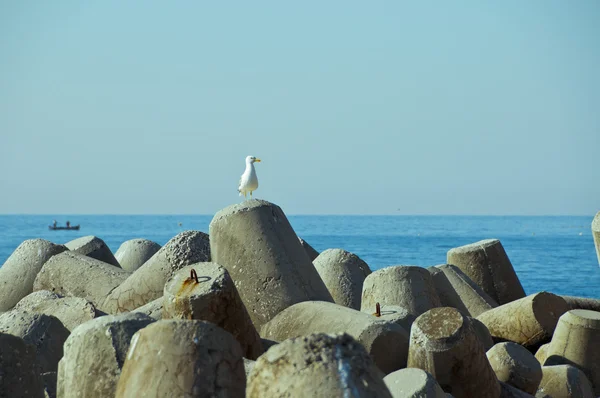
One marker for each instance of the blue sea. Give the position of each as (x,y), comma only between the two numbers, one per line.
(554,254)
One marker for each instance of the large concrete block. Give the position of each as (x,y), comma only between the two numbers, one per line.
(407,286)
(394,314)
(457,290)
(386,342)
(93,247)
(576,342)
(515,365)
(133,253)
(317,365)
(582,303)
(443,343)
(206,292)
(413,383)
(529,321)
(148,281)
(343,274)
(20,269)
(508,391)
(94,355)
(182,357)
(542,353)
(73,274)
(153,309)
(564,381)
(487,264)
(256,243)
(71,311)
(312,253)
(596,234)
(19,369)
(46,333)
(482,332)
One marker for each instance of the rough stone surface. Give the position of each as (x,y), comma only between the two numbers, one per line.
(515,365)
(386,342)
(310,251)
(317,365)
(248,366)
(596,234)
(443,342)
(582,303)
(343,274)
(407,286)
(19,368)
(153,309)
(564,381)
(213,298)
(457,290)
(93,247)
(71,311)
(97,348)
(46,333)
(73,274)
(576,342)
(182,358)
(529,321)
(148,281)
(542,353)
(132,254)
(487,264)
(255,242)
(20,269)
(413,383)
(395,314)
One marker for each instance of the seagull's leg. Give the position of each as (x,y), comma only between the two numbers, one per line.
(250,194)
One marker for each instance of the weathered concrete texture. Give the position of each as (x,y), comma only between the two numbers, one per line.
(407,286)
(256,243)
(71,311)
(132,254)
(576,342)
(19,369)
(508,391)
(394,314)
(20,269)
(49,379)
(386,342)
(317,365)
(182,358)
(529,321)
(153,309)
(483,334)
(343,274)
(596,234)
(93,247)
(457,290)
(413,383)
(73,274)
(148,281)
(487,264)
(564,381)
(248,366)
(46,333)
(212,298)
(542,353)
(515,365)
(443,343)
(95,353)
(582,303)
(310,251)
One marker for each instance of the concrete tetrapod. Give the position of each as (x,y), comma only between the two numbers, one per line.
(317,365)
(94,355)
(343,274)
(73,274)
(407,286)
(515,365)
(255,242)
(148,281)
(133,253)
(19,368)
(443,343)
(576,341)
(564,381)
(508,391)
(582,303)
(312,253)
(93,247)
(487,264)
(182,358)
(542,353)
(153,309)
(206,292)
(413,383)
(529,321)
(20,269)
(393,314)
(596,234)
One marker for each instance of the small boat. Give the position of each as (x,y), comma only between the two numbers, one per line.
(72,227)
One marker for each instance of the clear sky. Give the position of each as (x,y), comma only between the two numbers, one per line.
(355,107)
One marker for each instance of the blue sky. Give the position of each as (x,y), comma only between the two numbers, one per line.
(462,107)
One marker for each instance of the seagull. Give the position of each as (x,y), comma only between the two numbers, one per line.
(248,180)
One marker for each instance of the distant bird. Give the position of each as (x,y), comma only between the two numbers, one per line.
(248,180)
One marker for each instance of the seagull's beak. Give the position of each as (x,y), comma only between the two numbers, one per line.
(257,160)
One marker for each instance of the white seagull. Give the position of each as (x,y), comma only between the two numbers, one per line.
(249,181)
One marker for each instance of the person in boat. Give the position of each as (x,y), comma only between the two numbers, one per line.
(68,224)
(54,224)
